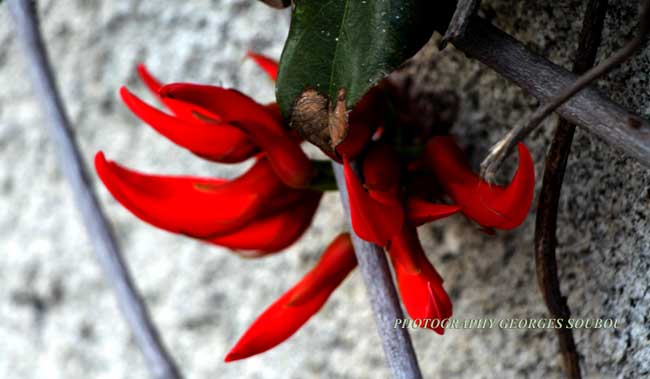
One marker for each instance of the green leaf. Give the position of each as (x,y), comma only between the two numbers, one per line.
(349,44)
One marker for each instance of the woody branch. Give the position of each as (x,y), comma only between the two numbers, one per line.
(161,365)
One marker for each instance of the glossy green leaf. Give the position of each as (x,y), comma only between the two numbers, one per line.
(349,44)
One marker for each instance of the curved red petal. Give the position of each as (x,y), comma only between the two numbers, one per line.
(212,141)
(275,232)
(514,202)
(284,317)
(193,206)
(420,212)
(421,291)
(149,80)
(335,263)
(229,104)
(372,220)
(486,204)
(267,64)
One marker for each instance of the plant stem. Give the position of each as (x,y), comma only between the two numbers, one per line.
(547,210)
(465,10)
(133,308)
(383,297)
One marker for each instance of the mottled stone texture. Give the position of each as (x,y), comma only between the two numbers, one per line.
(58,318)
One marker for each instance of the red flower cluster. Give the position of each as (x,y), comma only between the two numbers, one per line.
(384,212)
(270,206)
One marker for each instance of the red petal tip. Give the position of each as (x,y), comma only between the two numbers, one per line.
(270,66)
(149,80)
(233,356)
(490,206)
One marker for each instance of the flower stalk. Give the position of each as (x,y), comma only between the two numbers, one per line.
(383,297)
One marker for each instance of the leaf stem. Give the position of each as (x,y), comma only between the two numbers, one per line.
(133,308)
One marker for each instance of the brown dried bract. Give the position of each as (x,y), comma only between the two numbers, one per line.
(310,118)
(338,120)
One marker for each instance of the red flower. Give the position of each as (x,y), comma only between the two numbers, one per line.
(274,232)
(292,310)
(419,283)
(270,206)
(377,215)
(374,218)
(228,105)
(197,207)
(216,142)
(255,121)
(257,212)
(491,206)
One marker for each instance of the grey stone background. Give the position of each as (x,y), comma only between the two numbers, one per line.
(58,318)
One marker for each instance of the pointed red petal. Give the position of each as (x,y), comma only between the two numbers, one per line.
(487,204)
(267,64)
(275,232)
(149,80)
(229,104)
(284,317)
(192,206)
(420,212)
(422,292)
(372,220)
(216,142)
(514,203)
(336,262)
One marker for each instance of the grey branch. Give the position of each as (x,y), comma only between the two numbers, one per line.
(383,297)
(588,109)
(133,308)
(465,10)
(506,145)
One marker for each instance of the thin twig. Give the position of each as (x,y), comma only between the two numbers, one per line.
(133,308)
(383,297)
(465,10)
(505,146)
(588,109)
(546,221)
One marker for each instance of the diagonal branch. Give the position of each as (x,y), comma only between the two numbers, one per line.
(506,145)
(465,10)
(546,221)
(383,297)
(133,308)
(588,109)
